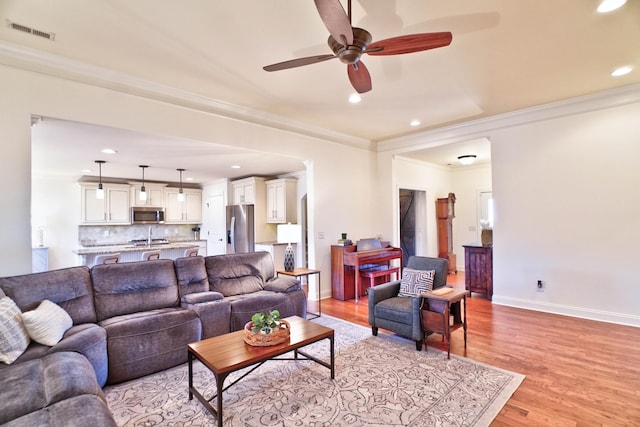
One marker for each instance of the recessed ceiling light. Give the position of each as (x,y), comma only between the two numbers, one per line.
(109,151)
(610,5)
(188,178)
(621,71)
(235,167)
(355,98)
(86,170)
(415,123)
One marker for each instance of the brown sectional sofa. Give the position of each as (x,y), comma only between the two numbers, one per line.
(130,320)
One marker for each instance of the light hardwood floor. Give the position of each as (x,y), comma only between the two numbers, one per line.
(578,372)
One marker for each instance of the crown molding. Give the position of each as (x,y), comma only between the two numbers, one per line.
(57,66)
(483,127)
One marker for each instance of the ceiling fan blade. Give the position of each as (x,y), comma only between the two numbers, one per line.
(409,43)
(336,20)
(359,77)
(299,62)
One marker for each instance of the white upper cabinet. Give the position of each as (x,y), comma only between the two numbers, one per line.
(155,195)
(113,209)
(188,211)
(247,191)
(281,200)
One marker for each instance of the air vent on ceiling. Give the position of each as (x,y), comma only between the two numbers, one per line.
(35,32)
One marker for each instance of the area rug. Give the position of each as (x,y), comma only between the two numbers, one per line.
(379,381)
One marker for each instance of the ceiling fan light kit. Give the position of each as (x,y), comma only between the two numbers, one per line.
(349,43)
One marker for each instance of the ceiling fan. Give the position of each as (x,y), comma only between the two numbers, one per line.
(349,43)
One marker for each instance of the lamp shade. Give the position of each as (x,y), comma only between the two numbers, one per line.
(289,233)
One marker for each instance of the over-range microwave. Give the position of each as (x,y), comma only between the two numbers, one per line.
(147,215)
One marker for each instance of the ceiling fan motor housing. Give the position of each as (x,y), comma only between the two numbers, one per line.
(351,54)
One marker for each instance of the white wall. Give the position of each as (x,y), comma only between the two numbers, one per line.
(467,182)
(567,211)
(54,212)
(339,191)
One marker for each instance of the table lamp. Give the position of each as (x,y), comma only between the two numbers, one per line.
(289,233)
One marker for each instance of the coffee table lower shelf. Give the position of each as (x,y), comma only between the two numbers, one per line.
(229,353)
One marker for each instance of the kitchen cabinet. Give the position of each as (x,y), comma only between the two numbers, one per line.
(248,191)
(113,209)
(155,195)
(281,200)
(187,212)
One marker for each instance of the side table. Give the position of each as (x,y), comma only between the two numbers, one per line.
(435,315)
(306,272)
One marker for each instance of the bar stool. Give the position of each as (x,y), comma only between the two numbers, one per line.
(149,255)
(108,258)
(191,252)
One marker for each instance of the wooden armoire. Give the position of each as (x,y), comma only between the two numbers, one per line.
(445,212)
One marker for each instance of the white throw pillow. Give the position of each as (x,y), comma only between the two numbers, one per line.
(14,338)
(414,282)
(47,323)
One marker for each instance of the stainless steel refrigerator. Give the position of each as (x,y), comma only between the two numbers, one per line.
(240,229)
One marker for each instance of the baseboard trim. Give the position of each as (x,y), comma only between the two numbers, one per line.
(566,310)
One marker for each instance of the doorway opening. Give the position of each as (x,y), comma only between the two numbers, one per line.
(413,220)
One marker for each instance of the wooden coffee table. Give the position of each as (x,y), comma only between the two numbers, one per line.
(229,353)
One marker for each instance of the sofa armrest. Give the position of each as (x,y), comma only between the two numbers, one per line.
(200,297)
(282,284)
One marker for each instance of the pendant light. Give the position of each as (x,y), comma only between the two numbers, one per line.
(100,191)
(143,191)
(180,192)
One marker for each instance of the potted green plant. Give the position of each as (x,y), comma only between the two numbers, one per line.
(266,329)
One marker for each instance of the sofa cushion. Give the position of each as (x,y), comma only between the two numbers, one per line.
(133,287)
(14,338)
(282,284)
(414,282)
(237,274)
(39,383)
(146,342)
(79,411)
(70,288)
(47,323)
(191,274)
(245,306)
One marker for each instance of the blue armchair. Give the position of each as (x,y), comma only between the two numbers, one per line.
(402,314)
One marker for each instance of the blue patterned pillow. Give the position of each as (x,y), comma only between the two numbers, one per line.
(414,282)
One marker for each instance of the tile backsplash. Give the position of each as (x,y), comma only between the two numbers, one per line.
(100,235)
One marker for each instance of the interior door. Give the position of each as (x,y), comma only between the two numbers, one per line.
(215,212)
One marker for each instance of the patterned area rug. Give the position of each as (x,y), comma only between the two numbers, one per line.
(379,381)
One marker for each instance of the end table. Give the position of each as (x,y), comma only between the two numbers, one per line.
(435,315)
(305,272)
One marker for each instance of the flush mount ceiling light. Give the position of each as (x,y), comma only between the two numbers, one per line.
(143,191)
(180,192)
(414,123)
(610,5)
(467,159)
(109,151)
(100,191)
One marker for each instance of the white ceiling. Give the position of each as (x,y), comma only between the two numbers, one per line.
(505,55)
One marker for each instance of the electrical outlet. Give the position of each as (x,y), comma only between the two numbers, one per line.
(320,234)
(106,233)
(540,286)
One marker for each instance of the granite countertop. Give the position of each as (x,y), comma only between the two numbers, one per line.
(107,249)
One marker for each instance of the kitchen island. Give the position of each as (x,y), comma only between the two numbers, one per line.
(133,252)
